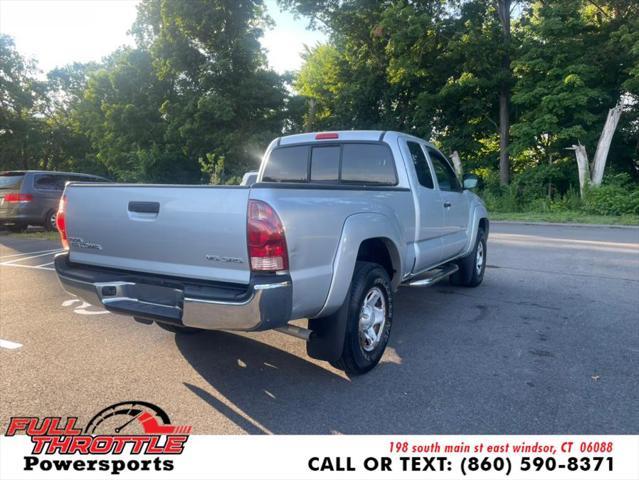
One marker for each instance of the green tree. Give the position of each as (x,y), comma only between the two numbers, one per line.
(120,113)
(571,71)
(220,98)
(427,68)
(22,99)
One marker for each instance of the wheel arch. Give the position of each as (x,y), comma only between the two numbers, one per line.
(365,236)
(478,219)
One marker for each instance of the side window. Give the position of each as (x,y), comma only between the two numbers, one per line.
(365,163)
(421,165)
(287,164)
(325,164)
(49,182)
(443,171)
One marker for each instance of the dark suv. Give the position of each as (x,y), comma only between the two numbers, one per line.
(31,197)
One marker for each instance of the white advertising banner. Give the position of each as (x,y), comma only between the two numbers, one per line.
(180,456)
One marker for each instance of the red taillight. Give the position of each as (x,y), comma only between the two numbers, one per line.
(18,197)
(327,136)
(266,241)
(61,223)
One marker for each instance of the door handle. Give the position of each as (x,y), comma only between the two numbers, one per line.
(144,207)
(447,204)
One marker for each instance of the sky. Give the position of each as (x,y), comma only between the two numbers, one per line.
(59,32)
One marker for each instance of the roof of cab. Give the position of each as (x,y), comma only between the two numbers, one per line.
(51,172)
(365,135)
(347,135)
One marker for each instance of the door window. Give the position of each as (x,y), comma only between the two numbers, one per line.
(421,164)
(50,182)
(445,174)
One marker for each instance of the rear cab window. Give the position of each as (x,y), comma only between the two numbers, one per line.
(345,163)
(325,164)
(288,164)
(367,163)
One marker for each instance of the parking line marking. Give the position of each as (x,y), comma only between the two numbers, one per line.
(55,250)
(44,264)
(11,262)
(9,345)
(536,240)
(26,266)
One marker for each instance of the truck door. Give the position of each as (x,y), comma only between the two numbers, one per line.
(454,202)
(429,214)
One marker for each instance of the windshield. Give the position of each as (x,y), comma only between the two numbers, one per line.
(10,180)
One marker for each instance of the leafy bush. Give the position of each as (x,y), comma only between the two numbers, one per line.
(615,197)
(549,189)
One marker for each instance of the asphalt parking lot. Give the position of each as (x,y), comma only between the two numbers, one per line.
(549,343)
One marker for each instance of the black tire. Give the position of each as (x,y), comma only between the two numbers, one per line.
(178,329)
(367,278)
(16,228)
(472,267)
(49,221)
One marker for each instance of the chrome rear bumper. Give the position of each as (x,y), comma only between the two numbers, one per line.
(262,305)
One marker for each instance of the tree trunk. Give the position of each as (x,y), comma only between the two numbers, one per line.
(601,155)
(583,167)
(503,10)
(457,164)
(603,146)
(504,126)
(310,120)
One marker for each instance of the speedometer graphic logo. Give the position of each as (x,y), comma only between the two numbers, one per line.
(126,428)
(134,418)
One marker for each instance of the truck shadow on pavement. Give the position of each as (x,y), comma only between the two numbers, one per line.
(459,360)
(265,389)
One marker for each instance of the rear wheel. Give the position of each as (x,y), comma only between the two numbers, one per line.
(177,328)
(369,310)
(49,221)
(472,267)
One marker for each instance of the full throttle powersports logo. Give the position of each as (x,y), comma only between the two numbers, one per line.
(134,427)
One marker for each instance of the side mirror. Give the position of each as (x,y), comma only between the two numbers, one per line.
(249,178)
(470,181)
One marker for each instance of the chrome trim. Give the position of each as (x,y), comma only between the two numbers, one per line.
(264,286)
(219,302)
(436,276)
(268,286)
(295,331)
(268,306)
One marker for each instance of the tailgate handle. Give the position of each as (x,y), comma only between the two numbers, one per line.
(144,207)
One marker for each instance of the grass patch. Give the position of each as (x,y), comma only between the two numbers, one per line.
(566,216)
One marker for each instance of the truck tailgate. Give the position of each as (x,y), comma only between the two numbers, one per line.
(186,231)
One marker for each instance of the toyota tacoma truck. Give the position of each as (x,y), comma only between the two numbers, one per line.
(327,230)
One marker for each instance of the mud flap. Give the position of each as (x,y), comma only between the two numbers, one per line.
(327,340)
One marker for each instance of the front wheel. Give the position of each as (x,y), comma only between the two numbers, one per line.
(369,313)
(472,267)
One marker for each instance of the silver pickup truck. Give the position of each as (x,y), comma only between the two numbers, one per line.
(333,224)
